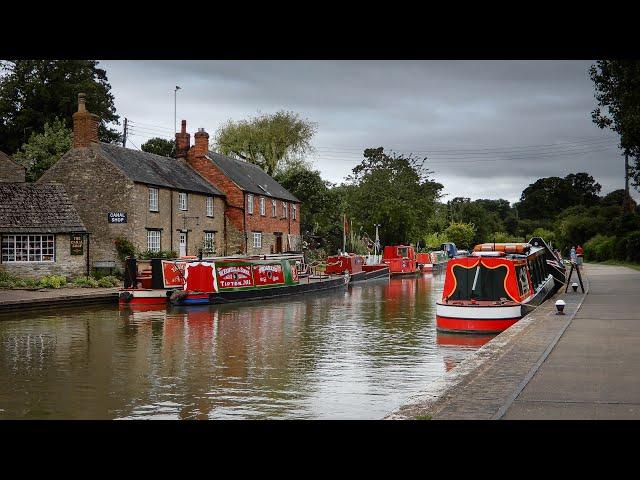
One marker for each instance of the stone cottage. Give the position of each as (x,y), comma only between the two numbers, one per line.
(155,202)
(10,171)
(41,231)
(262,217)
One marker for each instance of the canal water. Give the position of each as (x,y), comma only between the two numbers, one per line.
(351,354)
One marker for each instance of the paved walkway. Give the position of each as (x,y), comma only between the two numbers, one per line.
(593,371)
(582,365)
(11,300)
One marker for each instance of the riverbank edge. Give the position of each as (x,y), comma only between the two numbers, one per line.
(439,394)
(56,299)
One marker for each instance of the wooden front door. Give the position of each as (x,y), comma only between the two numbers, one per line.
(278,243)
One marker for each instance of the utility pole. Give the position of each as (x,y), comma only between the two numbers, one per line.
(175,118)
(124,135)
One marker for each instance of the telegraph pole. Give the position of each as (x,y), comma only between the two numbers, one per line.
(124,135)
(175,118)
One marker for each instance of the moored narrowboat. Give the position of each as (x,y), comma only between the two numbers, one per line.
(432,261)
(401,260)
(233,280)
(496,285)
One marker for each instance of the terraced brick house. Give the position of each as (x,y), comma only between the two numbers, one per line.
(155,202)
(261,216)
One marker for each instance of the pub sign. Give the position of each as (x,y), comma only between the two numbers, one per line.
(77,244)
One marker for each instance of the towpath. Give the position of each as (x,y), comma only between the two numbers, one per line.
(18,300)
(582,365)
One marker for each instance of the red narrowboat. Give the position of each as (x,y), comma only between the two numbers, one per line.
(401,259)
(496,285)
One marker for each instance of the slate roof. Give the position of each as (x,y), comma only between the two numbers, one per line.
(250,178)
(148,168)
(37,208)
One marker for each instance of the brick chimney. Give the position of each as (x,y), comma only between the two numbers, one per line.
(85,125)
(201,146)
(183,141)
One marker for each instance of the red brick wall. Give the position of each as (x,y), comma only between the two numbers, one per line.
(236,211)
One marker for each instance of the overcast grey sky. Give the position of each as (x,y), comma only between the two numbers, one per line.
(488,128)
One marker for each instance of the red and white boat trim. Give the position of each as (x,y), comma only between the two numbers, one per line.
(138,296)
(476,318)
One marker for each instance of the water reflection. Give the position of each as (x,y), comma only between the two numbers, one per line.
(357,353)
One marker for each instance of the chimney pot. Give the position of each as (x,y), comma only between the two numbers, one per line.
(183,141)
(183,127)
(81,102)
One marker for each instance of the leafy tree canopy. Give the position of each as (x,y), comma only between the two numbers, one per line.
(461,234)
(44,149)
(267,139)
(159,146)
(617,90)
(34,92)
(394,191)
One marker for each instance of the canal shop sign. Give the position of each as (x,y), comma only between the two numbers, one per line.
(77,244)
(117,217)
(235,276)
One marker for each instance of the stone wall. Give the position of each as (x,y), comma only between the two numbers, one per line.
(10,171)
(172,220)
(65,264)
(96,187)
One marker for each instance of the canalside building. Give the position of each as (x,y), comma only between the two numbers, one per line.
(10,171)
(261,216)
(41,232)
(155,202)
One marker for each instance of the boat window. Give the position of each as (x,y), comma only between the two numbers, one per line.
(523,281)
(479,283)
(403,252)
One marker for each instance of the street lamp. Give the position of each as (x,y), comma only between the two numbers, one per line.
(175,120)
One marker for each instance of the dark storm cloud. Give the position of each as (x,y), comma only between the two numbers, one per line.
(454,112)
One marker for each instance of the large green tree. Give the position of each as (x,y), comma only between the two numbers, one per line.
(394,191)
(34,92)
(44,149)
(617,90)
(266,140)
(159,146)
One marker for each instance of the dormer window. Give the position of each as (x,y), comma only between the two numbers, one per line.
(285,209)
(182,201)
(294,210)
(274,212)
(262,207)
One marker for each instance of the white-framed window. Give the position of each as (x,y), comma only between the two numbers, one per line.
(262,207)
(273,208)
(28,248)
(257,240)
(209,242)
(153,199)
(153,240)
(285,209)
(182,200)
(294,210)
(250,204)
(209,206)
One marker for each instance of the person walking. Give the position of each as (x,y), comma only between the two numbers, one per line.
(573,256)
(579,254)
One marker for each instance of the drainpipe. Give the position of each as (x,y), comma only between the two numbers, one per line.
(171,220)
(88,263)
(244,217)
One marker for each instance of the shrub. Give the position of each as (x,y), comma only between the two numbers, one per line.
(503,237)
(148,254)
(85,282)
(600,248)
(432,241)
(633,246)
(52,281)
(124,248)
(108,281)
